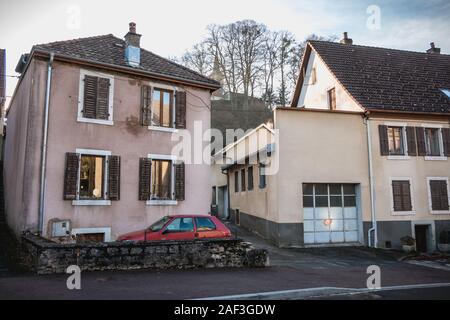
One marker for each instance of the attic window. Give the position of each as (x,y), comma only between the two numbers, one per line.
(446,92)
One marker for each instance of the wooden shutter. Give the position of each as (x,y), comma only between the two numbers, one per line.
(446,141)
(71,176)
(145,171)
(384,142)
(439,195)
(401,192)
(397,195)
(411,141)
(146,105)
(103,99)
(180,110)
(90,97)
(420,136)
(179,181)
(114,178)
(406,196)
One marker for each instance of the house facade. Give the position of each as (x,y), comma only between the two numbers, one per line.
(89,149)
(362,153)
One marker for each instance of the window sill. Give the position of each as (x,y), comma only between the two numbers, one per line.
(436,158)
(163,129)
(403,213)
(91,202)
(399,157)
(96,121)
(162,202)
(440,212)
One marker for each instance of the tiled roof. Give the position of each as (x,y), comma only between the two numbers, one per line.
(389,79)
(108,49)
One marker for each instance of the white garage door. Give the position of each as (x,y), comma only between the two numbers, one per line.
(329,213)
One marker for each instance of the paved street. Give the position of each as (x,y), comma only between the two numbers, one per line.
(343,267)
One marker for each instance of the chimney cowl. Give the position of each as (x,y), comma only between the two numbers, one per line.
(132,38)
(433,49)
(346,39)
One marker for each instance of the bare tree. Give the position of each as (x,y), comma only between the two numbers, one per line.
(198,58)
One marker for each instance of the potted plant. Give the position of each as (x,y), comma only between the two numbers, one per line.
(444,241)
(408,243)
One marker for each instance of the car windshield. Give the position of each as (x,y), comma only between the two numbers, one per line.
(159,224)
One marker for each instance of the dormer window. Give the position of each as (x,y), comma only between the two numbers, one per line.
(446,92)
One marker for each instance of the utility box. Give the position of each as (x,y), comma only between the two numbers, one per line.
(61,228)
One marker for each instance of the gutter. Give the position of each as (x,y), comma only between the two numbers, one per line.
(44,147)
(372,188)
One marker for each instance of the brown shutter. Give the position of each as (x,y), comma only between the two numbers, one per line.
(114,178)
(411,141)
(397,195)
(71,176)
(90,97)
(384,143)
(406,196)
(179,181)
(146,100)
(420,135)
(103,99)
(180,110)
(145,171)
(446,141)
(444,195)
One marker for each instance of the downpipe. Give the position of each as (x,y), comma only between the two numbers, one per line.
(373,229)
(44,146)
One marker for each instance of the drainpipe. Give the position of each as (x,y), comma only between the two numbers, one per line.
(372,188)
(44,147)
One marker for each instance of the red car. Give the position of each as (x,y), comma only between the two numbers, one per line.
(180,227)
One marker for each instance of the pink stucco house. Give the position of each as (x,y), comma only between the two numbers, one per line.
(89,148)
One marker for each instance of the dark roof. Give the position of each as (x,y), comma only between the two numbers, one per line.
(108,49)
(389,79)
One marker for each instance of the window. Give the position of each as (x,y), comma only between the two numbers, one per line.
(401,195)
(181,225)
(250,178)
(313,76)
(432,142)
(91,177)
(243,179)
(162,101)
(438,192)
(332,99)
(161,182)
(92,170)
(323,195)
(158,225)
(214,200)
(446,92)
(236,181)
(204,224)
(95,103)
(262,176)
(396,141)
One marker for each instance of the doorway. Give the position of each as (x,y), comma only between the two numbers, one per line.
(422,232)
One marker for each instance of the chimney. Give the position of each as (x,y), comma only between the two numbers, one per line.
(346,39)
(132,49)
(433,49)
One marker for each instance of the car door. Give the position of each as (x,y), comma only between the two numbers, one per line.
(179,229)
(205,228)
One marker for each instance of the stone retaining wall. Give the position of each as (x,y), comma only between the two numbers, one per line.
(45,257)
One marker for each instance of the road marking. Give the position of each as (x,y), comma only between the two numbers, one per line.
(319,292)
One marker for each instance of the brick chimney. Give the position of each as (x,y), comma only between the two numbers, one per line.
(433,49)
(132,50)
(346,39)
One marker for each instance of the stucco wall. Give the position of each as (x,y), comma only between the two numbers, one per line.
(416,168)
(315,95)
(22,149)
(125,138)
(319,147)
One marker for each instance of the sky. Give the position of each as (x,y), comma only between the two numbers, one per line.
(169,28)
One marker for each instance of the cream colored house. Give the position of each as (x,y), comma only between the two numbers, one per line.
(360,157)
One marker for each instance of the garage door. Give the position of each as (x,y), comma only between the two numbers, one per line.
(330,214)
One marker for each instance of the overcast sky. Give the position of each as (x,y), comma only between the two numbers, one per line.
(168,28)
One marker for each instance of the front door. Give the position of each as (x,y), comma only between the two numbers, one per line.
(421,238)
(330,214)
(179,229)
